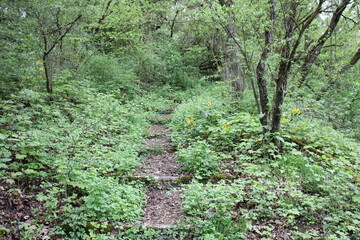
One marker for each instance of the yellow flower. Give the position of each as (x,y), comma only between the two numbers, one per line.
(190,121)
(209,104)
(226,126)
(28,77)
(39,61)
(257,141)
(285,120)
(295,111)
(41,69)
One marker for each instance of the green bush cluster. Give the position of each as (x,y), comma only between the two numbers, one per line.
(306,193)
(213,207)
(199,159)
(76,145)
(112,75)
(209,130)
(162,63)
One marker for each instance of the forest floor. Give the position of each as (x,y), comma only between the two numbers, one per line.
(163,208)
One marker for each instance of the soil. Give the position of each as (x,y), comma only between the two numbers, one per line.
(160,165)
(16,208)
(162,143)
(159,129)
(163,207)
(163,163)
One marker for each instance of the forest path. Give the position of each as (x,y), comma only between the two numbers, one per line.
(163,209)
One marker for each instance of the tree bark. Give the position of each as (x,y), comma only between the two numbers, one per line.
(172,24)
(314,52)
(48,48)
(352,62)
(284,67)
(260,72)
(232,70)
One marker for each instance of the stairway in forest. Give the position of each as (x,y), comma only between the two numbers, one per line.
(163,209)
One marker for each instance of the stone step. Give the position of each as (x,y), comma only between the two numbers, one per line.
(160,226)
(155,226)
(182,179)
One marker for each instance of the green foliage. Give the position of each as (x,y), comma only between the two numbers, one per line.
(76,145)
(306,193)
(213,211)
(322,136)
(111,75)
(106,203)
(199,159)
(164,64)
(197,115)
(78,139)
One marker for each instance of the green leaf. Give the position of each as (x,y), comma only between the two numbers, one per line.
(2,136)
(356,198)
(30,171)
(4,166)
(20,156)
(10,181)
(5,160)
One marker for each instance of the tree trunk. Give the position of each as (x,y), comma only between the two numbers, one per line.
(232,70)
(260,73)
(284,68)
(48,73)
(352,62)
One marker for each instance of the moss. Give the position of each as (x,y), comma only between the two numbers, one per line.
(100,227)
(184,179)
(220,176)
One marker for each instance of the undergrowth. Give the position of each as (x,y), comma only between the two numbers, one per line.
(300,192)
(70,151)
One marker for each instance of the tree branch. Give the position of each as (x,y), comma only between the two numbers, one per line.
(314,52)
(62,36)
(352,62)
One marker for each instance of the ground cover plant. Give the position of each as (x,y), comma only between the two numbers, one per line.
(230,119)
(67,155)
(298,193)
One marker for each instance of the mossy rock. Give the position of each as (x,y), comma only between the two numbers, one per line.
(100,227)
(217,177)
(184,179)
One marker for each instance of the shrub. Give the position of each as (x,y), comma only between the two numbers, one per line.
(199,159)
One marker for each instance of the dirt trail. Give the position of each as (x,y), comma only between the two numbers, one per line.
(163,207)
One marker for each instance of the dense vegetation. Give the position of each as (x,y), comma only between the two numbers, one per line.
(266,120)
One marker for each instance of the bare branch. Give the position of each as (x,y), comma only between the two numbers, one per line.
(314,52)
(62,36)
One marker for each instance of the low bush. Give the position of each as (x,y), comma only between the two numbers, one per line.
(303,192)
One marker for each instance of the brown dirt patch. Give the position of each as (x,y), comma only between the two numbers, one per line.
(159,129)
(163,116)
(163,143)
(160,165)
(163,208)
(16,208)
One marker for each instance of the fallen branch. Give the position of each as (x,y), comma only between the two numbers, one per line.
(312,149)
